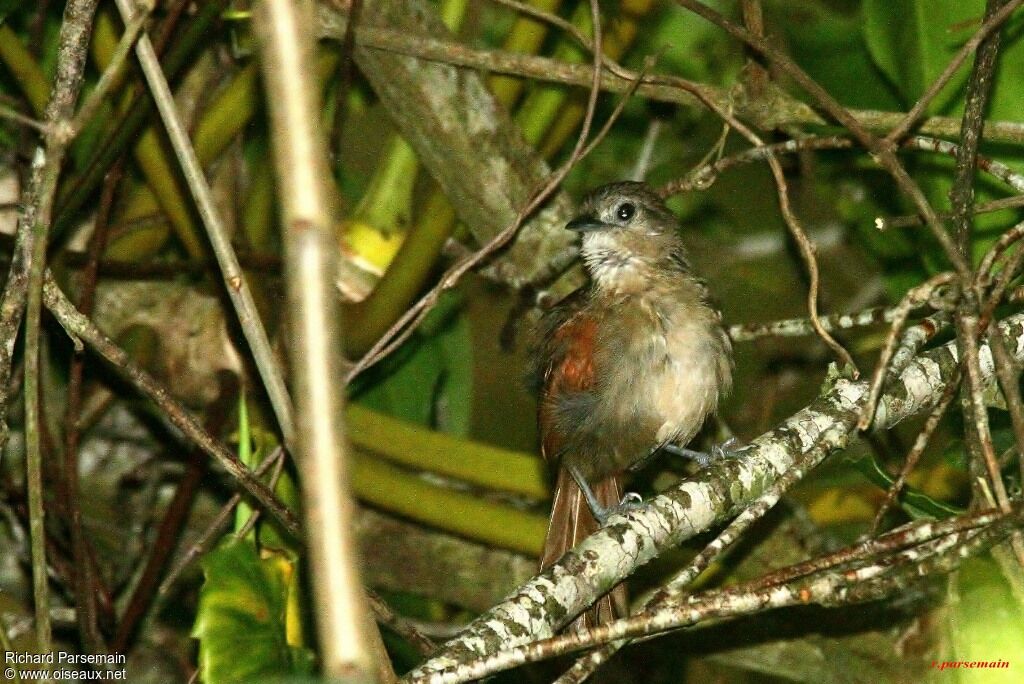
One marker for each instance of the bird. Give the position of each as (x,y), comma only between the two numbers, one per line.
(629,365)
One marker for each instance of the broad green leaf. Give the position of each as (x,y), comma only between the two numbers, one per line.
(247,628)
(985,624)
(829,45)
(912,41)
(429,381)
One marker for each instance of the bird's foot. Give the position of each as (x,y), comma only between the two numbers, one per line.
(705,458)
(631,501)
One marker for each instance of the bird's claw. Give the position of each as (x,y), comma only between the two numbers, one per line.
(705,458)
(631,501)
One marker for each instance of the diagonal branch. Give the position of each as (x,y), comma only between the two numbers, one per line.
(81,328)
(552,598)
(220,240)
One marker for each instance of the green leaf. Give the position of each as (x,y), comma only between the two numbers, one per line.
(243,623)
(985,623)
(914,503)
(912,41)
(246,456)
(829,45)
(429,381)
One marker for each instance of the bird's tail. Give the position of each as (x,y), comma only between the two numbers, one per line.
(571,521)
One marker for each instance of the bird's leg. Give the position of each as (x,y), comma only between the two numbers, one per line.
(703,458)
(630,501)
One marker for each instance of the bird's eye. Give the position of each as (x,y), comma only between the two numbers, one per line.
(625,211)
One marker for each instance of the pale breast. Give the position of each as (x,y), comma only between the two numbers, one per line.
(664,367)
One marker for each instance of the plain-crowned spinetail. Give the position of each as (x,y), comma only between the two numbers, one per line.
(629,364)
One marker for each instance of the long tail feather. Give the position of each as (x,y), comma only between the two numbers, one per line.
(571,521)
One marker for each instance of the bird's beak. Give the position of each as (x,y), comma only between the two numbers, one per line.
(585,224)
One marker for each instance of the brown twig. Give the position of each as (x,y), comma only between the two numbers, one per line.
(914,298)
(1008,373)
(24,283)
(882,150)
(886,223)
(979,87)
(84,573)
(659,87)
(915,453)
(81,328)
(387,617)
(993,20)
(173,519)
(231,272)
(214,530)
(17,117)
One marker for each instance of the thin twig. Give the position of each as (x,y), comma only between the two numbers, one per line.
(84,573)
(220,240)
(800,327)
(703,176)
(887,223)
(407,323)
(915,453)
(18,117)
(254,515)
(807,250)
(25,288)
(81,327)
(387,617)
(992,22)
(881,150)
(111,76)
(1008,373)
(914,298)
(213,531)
(173,519)
(979,87)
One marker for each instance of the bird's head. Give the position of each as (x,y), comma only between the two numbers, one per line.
(628,236)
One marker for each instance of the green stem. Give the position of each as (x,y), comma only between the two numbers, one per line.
(526,36)
(372,317)
(394,489)
(149,152)
(422,449)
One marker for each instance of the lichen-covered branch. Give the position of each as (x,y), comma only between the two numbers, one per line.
(22,293)
(552,598)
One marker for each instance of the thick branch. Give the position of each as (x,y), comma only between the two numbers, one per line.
(551,599)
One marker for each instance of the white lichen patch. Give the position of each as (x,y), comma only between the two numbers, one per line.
(481,115)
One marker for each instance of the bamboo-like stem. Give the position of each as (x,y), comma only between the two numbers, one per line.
(234,280)
(349,641)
